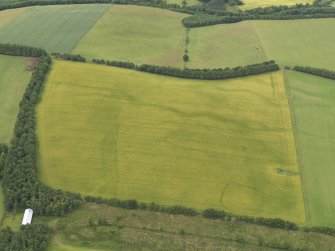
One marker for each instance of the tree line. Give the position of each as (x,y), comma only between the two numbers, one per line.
(3,154)
(270,13)
(180,210)
(21,186)
(207,74)
(315,71)
(30,238)
(71,57)
(209,213)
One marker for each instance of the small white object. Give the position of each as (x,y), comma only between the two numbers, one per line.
(27,217)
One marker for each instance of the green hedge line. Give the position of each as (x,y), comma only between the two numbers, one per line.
(22,187)
(71,57)
(208,74)
(180,210)
(270,13)
(3,155)
(316,71)
(321,230)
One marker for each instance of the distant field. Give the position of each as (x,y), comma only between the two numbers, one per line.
(225,45)
(251,4)
(313,102)
(151,35)
(119,133)
(289,42)
(7,15)
(54,28)
(188,2)
(13,81)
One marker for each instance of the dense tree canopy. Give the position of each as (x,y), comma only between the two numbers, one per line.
(29,238)
(22,188)
(316,71)
(209,74)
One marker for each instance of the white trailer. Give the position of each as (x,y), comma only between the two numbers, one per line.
(27,217)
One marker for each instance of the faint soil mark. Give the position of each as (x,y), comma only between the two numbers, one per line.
(31,64)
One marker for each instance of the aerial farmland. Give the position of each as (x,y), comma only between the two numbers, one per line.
(167,125)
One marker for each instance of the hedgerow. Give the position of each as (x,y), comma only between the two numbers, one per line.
(21,185)
(316,71)
(207,74)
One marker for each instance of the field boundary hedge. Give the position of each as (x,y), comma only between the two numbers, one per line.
(209,213)
(270,13)
(21,186)
(315,71)
(205,74)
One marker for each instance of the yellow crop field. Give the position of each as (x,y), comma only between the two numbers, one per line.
(251,4)
(114,132)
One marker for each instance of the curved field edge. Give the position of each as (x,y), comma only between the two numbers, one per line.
(151,35)
(151,141)
(312,100)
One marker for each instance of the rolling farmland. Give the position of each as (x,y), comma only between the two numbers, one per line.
(151,36)
(13,80)
(313,104)
(286,41)
(259,149)
(221,144)
(54,28)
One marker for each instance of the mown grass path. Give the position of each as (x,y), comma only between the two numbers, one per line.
(313,105)
(14,78)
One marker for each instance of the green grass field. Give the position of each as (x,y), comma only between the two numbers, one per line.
(54,28)
(13,81)
(151,35)
(7,15)
(289,42)
(313,102)
(119,133)
(251,4)
(225,45)
(13,221)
